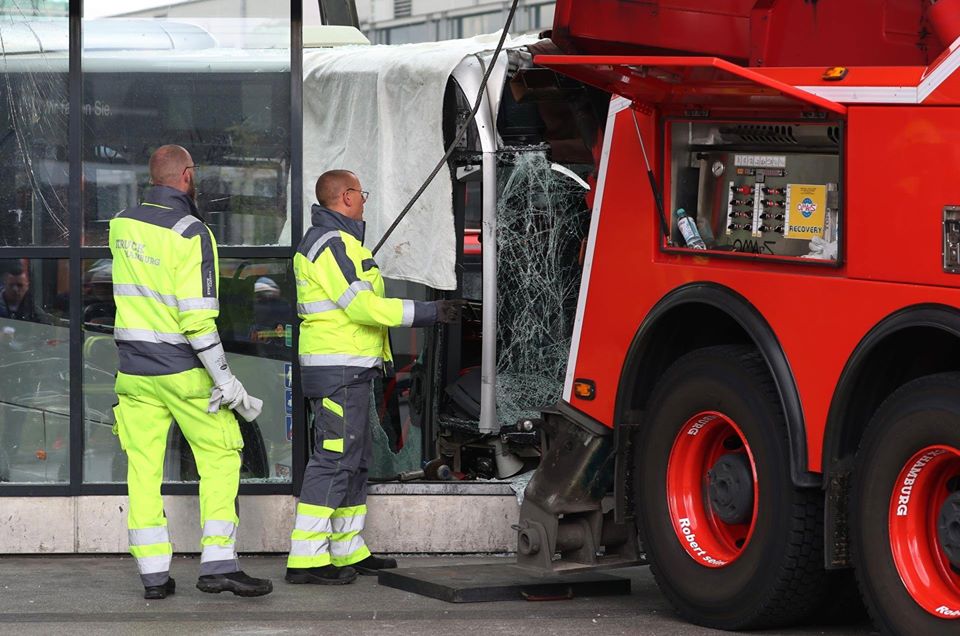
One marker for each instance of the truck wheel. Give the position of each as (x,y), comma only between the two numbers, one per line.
(733,544)
(905,509)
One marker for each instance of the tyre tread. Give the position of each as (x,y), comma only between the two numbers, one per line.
(800,581)
(877,420)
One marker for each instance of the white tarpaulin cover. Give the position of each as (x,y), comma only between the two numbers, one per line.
(377,110)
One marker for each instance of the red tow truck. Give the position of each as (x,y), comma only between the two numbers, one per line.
(775,402)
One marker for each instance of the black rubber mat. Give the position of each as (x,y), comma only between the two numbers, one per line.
(500,582)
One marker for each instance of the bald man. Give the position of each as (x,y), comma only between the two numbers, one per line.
(173,367)
(344,344)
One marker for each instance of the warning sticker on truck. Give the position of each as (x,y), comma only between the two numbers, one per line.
(805,209)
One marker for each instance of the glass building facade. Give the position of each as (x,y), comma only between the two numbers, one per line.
(86,100)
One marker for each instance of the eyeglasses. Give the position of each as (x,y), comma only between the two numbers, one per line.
(194,168)
(363,193)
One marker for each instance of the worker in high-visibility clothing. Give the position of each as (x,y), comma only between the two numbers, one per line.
(173,367)
(343,346)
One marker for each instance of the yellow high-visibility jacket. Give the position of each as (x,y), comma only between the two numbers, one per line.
(340,299)
(165,274)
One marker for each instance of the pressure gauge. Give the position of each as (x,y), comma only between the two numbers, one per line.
(718,168)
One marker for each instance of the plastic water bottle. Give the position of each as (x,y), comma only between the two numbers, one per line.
(688,228)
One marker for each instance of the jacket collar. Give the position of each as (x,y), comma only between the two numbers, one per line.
(327,219)
(171,198)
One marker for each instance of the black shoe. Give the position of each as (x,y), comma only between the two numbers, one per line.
(155,592)
(236,582)
(327,575)
(373,564)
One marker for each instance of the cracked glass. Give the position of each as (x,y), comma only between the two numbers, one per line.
(542,221)
(34,109)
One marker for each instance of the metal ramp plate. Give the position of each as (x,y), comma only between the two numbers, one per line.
(500,582)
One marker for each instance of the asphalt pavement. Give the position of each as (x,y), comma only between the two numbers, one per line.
(102,595)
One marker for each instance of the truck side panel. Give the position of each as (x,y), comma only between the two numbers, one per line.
(806,305)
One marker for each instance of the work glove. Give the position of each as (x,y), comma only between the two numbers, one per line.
(235,397)
(449,310)
(227,390)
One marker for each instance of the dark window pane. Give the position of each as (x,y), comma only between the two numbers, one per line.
(398,419)
(34,379)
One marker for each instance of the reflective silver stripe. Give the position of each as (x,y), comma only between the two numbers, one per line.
(198,303)
(208,340)
(216,528)
(145,335)
(218,553)
(346,548)
(181,226)
(352,291)
(126,289)
(409,311)
(348,524)
(316,307)
(339,360)
(319,243)
(148,536)
(307,523)
(154,564)
(300,548)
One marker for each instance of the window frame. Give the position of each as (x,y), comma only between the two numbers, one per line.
(76,253)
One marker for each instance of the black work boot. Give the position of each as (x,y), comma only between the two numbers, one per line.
(156,592)
(373,564)
(327,575)
(236,582)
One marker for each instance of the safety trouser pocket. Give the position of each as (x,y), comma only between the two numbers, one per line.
(118,428)
(232,438)
(331,419)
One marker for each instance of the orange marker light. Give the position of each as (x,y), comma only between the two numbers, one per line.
(584,389)
(835,74)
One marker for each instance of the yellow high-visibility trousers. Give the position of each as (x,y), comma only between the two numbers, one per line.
(147,406)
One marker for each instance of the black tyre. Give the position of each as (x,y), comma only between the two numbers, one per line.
(732,543)
(907,480)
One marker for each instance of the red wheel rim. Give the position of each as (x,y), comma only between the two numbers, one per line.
(708,540)
(918,496)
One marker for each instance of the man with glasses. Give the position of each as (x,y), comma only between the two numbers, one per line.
(344,345)
(173,367)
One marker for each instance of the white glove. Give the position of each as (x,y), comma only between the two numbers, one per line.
(227,389)
(235,397)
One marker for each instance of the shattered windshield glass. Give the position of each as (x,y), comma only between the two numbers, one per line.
(542,220)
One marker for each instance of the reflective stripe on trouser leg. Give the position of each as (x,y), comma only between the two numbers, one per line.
(152,550)
(346,544)
(310,539)
(219,554)
(341,413)
(216,443)
(142,425)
